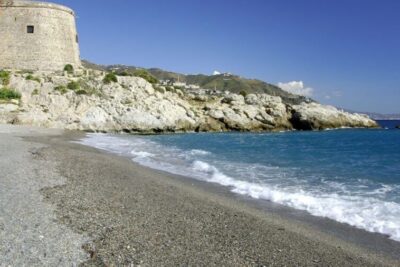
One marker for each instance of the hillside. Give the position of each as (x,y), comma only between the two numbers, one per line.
(378,116)
(231,83)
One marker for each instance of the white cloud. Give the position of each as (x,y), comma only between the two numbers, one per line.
(297,87)
(333,94)
(216,72)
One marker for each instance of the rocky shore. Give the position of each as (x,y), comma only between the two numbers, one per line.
(131,104)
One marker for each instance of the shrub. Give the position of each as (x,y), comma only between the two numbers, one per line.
(4,77)
(69,68)
(81,92)
(8,94)
(32,78)
(73,85)
(145,75)
(61,88)
(123,73)
(87,88)
(243,93)
(109,78)
(35,92)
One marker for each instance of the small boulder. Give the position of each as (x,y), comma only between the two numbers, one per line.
(216,114)
(233,99)
(252,99)
(8,107)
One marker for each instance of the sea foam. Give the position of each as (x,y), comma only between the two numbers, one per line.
(359,208)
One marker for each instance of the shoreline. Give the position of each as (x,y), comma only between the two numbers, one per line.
(373,241)
(328,230)
(136,215)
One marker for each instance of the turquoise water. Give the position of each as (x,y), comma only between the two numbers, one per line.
(351,176)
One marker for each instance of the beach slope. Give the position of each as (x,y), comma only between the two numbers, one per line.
(99,209)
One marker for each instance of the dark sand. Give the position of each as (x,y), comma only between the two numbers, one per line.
(137,216)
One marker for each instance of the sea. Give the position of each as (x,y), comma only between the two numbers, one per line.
(349,175)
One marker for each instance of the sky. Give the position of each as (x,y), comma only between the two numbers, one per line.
(340,52)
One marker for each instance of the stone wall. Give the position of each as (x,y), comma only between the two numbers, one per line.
(51,46)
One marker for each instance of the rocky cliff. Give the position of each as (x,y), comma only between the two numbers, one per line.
(131,104)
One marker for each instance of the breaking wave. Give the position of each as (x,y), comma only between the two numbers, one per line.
(359,204)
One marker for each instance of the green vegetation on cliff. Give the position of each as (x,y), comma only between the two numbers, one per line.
(4,77)
(110,78)
(232,83)
(61,88)
(69,68)
(30,77)
(9,94)
(145,75)
(73,85)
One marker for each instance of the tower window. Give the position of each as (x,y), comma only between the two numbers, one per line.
(77,38)
(30,29)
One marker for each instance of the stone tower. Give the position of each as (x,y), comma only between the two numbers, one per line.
(37,36)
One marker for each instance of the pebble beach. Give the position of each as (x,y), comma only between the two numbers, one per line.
(65,204)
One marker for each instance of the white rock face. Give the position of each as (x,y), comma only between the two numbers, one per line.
(134,105)
(8,108)
(317,116)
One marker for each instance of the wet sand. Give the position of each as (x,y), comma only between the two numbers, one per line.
(125,214)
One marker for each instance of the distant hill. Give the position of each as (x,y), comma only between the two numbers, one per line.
(222,82)
(377,116)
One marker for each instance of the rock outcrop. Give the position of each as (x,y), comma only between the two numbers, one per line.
(134,105)
(314,116)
